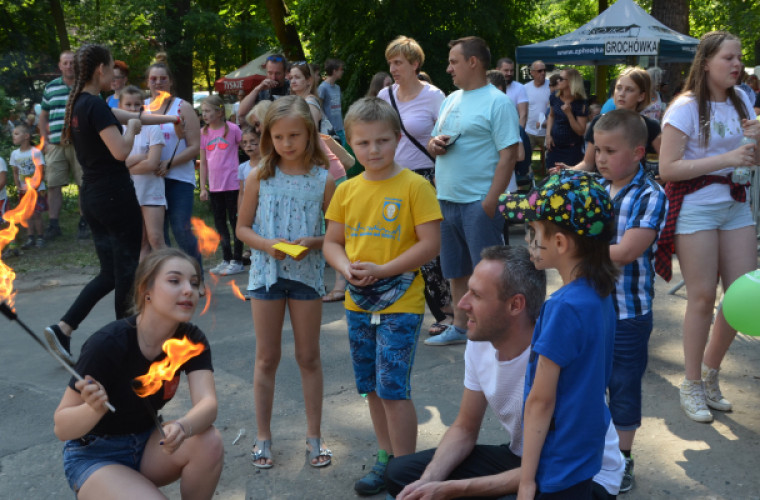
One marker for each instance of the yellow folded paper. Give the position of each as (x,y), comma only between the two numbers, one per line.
(290,249)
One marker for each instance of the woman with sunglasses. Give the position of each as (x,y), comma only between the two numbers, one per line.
(177,158)
(567,120)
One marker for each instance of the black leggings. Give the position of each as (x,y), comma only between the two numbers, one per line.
(224,208)
(111,209)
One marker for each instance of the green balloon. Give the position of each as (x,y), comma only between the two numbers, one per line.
(741,304)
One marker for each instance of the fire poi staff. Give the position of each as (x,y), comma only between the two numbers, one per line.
(122,454)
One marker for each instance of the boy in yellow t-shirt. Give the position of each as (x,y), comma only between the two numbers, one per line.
(383,225)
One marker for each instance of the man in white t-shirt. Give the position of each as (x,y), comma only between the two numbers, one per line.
(505,296)
(515,89)
(538,102)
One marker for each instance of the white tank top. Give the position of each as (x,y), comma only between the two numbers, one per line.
(184,172)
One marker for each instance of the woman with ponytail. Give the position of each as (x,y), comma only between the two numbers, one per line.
(107,197)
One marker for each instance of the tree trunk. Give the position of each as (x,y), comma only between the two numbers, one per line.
(60,24)
(286,33)
(675,15)
(179,45)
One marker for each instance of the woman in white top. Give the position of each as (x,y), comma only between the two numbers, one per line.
(714,231)
(417,104)
(177,160)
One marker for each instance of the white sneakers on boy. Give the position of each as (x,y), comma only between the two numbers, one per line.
(693,401)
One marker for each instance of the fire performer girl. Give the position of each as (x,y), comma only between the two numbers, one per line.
(107,195)
(122,454)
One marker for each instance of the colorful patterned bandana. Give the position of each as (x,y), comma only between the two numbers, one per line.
(383,293)
(572,199)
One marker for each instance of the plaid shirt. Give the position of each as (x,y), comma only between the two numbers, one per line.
(640,204)
(676,191)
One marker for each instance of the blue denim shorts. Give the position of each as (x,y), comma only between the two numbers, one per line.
(629,362)
(284,289)
(82,457)
(383,354)
(724,216)
(465,231)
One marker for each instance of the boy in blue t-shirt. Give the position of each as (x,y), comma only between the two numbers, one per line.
(569,227)
(640,204)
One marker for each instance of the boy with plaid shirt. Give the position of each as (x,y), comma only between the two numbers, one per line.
(640,210)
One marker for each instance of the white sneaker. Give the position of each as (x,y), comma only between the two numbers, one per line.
(713,396)
(234,267)
(220,267)
(693,402)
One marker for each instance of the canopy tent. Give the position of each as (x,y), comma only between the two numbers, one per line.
(244,78)
(623,30)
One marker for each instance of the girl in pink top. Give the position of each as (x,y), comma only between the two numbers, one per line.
(218,179)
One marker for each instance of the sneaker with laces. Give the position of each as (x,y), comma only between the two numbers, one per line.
(713,396)
(374,481)
(451,335)
(693,401)
(223,265)
(235,267)
(60,343)
(627,482)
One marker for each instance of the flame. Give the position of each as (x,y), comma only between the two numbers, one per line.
(177,352)
(19,215)
(208,301)
(208,239)
(156,104)
(236,290)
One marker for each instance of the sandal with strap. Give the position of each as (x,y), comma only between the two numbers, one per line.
(439,327)
(264,452)
(316,450)
(334,296)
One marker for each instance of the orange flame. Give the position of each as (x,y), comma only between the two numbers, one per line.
(236,290)
(177,352)
(19,215)
(208,301)
(208,239)
(156,104)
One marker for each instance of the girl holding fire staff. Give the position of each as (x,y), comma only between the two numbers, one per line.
(129,453)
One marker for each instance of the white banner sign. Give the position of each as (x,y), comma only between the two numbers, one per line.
(631,46)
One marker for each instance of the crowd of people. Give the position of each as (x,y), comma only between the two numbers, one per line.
(424,223)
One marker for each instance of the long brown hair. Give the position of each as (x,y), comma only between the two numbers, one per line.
(696,82)
(291,105)
(641,79)
(86,61)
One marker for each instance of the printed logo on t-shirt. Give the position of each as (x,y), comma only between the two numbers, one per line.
(391,209)
(217,142)
(170,388)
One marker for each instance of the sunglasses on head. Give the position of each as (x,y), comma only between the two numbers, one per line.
(276,58)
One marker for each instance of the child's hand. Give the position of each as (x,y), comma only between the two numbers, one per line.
(277,254)
(357,274)
(93,394)
(363,269)
(743,155)
(751,129)
(557,168)
(134,125)
(307,242)
(204,195)
(163,168)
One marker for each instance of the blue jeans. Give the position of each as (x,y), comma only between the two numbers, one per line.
(629,362)
(179,200)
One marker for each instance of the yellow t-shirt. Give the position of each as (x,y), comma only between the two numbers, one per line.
(379,219)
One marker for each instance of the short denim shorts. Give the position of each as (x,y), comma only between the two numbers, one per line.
(465,231)
(725,216)
(284,289)
(383,354)
(83,456)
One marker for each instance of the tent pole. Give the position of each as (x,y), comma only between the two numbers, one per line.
(601,82)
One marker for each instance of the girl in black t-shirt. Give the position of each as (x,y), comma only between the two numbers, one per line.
(106,197)
(122,452)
